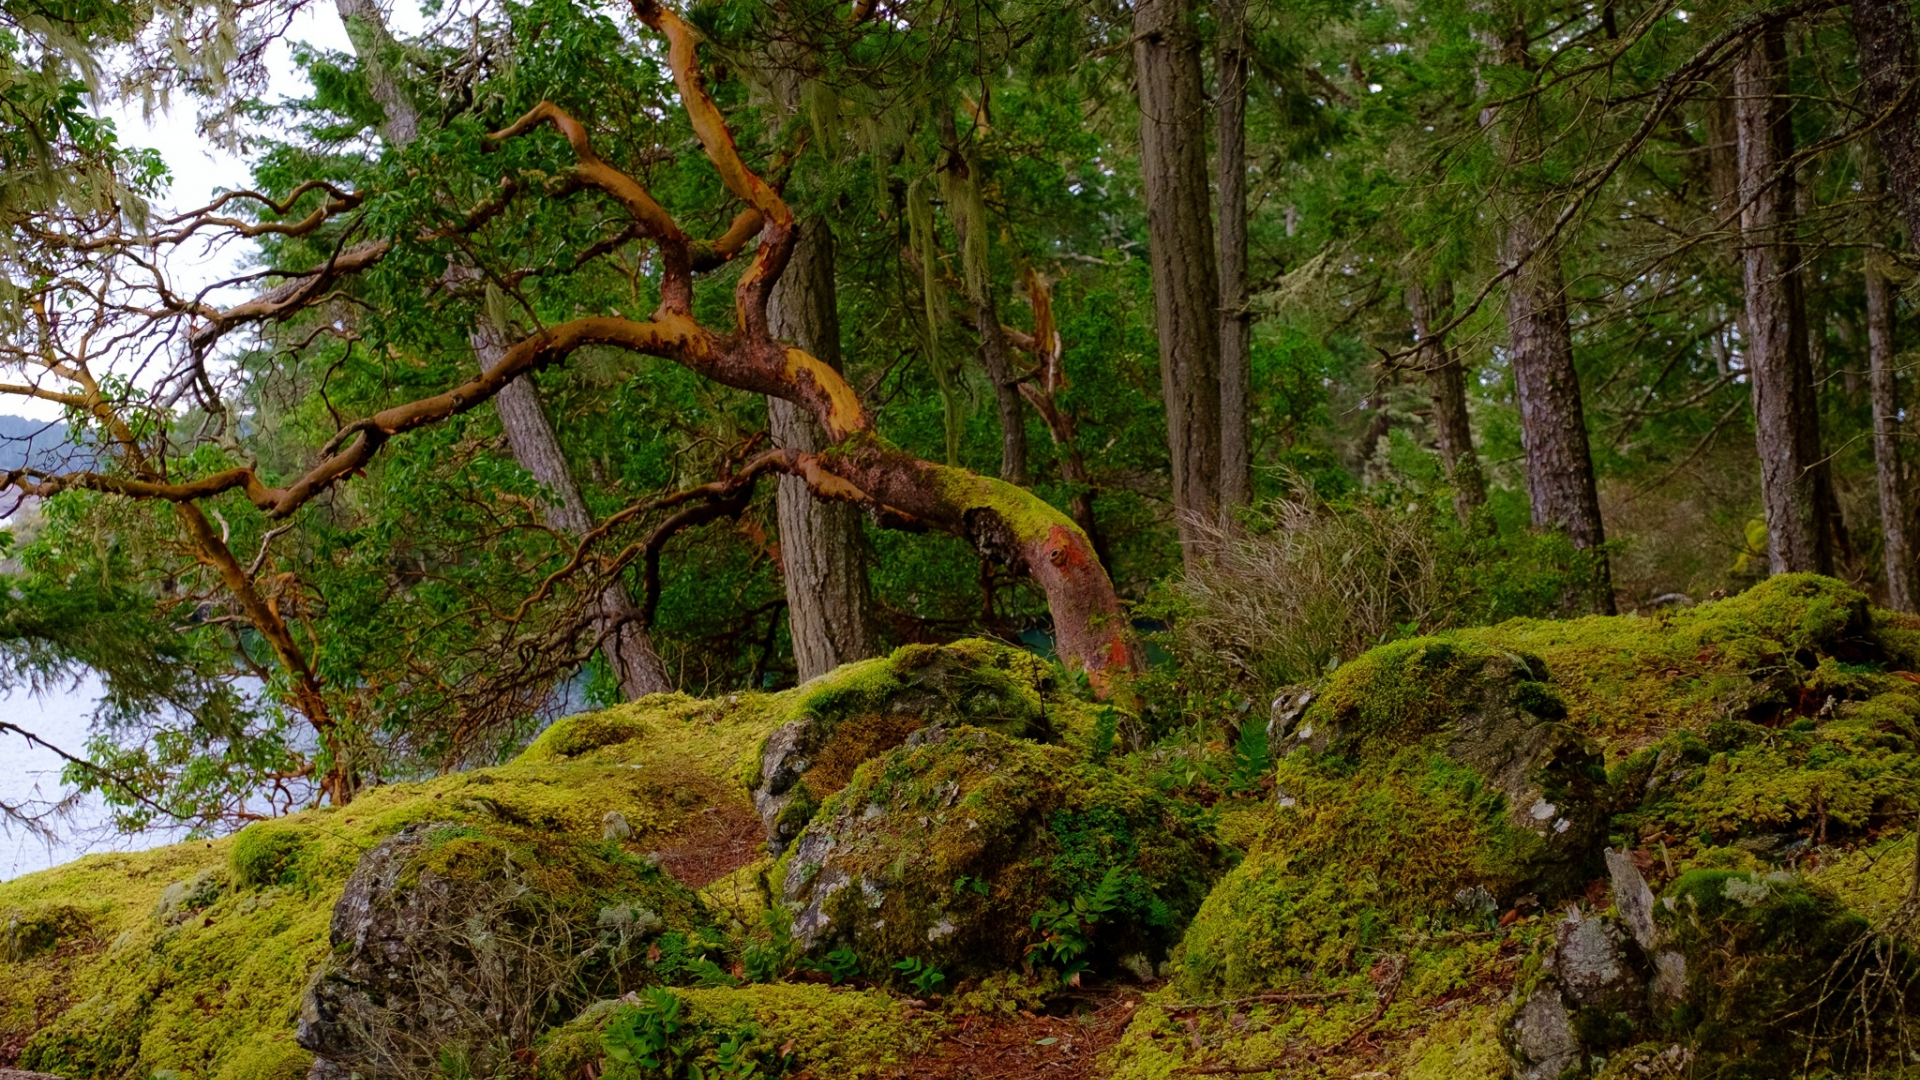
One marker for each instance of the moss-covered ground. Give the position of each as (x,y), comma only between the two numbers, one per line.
(1374,915)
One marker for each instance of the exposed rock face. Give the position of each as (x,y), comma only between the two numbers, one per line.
(869,708)
(1541,1037)
(945,849)
(447,938)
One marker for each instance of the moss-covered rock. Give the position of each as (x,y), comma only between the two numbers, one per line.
(1430,781)
(860,710)
(946,849)
(456,940)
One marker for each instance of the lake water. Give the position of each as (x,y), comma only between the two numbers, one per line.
(32,773)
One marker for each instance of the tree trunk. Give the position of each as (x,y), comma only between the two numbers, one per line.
(1903,577)
(998,360)
(1785,410)
(822,547)
(1553,427)
(624,642)
(1186,292)
(617,622)
(1452,426)
(1236,326)
(1883,33)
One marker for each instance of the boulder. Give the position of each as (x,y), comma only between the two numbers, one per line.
(449,939)
(947,848)
(860,710)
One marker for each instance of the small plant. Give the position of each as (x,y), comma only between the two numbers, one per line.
(923,977)
(1252,758)
(649,1035)
(1064,927)
(838,966)
(965,883)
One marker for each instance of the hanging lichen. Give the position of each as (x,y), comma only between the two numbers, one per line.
(922,239)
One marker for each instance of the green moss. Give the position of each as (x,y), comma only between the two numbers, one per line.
(1360,854)
(268,853)
(206,981)
(949,848)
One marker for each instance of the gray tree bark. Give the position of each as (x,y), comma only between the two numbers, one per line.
(1883,33)
(623,638)
(1553,426)
(1785,409)
(822,547)
(1236,326)
(1903,576)
(1186,291)
(1447,382)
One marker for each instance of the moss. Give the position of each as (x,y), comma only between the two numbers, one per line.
(210,987)
(268,853)
(1410,689)
(948,849)
(1462,1046)
(1770,951)
(1361,853)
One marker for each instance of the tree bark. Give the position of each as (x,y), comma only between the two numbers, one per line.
(1553,427)
(822,546)
(1447,381)
(1186,291)
(1903,576)
(1785,409)
(1884,36)
(617,621)
(1236,325)
(997,358)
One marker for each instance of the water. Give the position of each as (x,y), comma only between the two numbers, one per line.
(30,773)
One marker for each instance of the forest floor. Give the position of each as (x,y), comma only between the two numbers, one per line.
(1032,1046)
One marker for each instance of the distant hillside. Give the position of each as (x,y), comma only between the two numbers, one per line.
(42,444)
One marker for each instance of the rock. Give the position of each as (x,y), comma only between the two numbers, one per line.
(1540,1037)
(945,849)
(1633,900)
(1591,963)
(1485,708)
(861,710)
(183,898)
(1288,708)
(614,826)
(450,939)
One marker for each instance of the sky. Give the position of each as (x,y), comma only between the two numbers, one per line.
(60,716)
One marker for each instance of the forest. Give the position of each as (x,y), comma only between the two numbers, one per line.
(952,538)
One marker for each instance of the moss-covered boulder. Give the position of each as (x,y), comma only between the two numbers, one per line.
(1429,780)
(968,849)
(463,941)
(858,711)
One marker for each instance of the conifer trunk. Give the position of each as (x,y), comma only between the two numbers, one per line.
(1884,35)
(1186,292)
(1447,382)
(1903,577)
(1785,409)
(822,547)
(1236,326)
(1553,427)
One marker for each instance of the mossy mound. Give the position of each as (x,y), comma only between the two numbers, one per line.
(1769,953)
(967,849)
(192,958)
(780,1029)
(456,942)
(1429,783)
(864,709)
